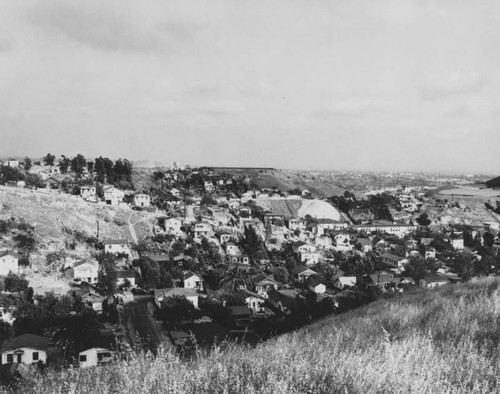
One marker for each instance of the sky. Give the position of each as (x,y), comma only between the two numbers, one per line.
(402,85)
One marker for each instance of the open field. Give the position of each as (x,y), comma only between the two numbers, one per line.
(471,191)
(431,341)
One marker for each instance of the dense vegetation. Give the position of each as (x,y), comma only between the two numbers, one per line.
(443,340)
(492,183)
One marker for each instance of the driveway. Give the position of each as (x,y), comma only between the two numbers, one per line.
(142,324)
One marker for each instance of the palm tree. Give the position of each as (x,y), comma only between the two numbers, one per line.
(235,279)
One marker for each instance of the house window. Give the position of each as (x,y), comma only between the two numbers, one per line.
(100,356)
(83,358)
(10,358)
(35,356)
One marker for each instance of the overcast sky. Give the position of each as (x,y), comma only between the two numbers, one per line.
(362,85)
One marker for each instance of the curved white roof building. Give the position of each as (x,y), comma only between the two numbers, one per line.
(319,209)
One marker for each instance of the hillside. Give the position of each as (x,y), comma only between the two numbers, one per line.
(320,184)
(437,341)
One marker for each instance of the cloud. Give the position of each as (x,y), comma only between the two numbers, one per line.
(98,27)
(223,108)
(359,107)
(451,85)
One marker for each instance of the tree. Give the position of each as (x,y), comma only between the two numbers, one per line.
(15,283)
(27,163)
(175,309)
(423,220)
(49,159)
(78,164)
(281,275)
(235,278)
(64,164)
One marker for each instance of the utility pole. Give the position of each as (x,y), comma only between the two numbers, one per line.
(97,221)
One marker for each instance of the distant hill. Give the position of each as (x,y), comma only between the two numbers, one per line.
(493,183)
(320,184)
(443,340)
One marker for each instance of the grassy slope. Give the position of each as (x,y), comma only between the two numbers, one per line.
(442,341)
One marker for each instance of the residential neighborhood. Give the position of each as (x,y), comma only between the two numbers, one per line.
(202,250)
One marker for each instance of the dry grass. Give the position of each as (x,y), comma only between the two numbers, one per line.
(442,341)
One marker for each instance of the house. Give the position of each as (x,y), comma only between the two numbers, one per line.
(433,281)
(190,294)
(300,247)
(315,284)
(232,249)
(342,242)
(430,252)
(456,240)
(226,237)
(324,225)
(345,281)
(301,273)
(383,280)
(25,349)
(86,271)
(426,241)
(88,193)
(309,258)
(142,200)
(202,230)
(296,224)
(126,275)
(175,192)
(284,300)
(399,229)
(116,246)
(113,196)
(324,242)
(238,259)
(52,184)
(92,298)
(12,163)
(192,281)
(393,260)
(240,313)
(9,262)
(255,301)
(173,225)
(365,244)
(95,356)
(263,284)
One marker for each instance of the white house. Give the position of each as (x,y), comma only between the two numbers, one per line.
(255,301)
(142,200)
(365,244)
(190,294)
(343,281)
(393,260)
(202,230)
(126,275)
(116,246)
(173,225)
(263,284)
(302,273)
(309,258)
(342,241)
(88,193)
(9,262)
(232,249)
(315,284)
(95,356)
(192,281)
(86,271)
(113,196)
(25,349)
(301,247)
(13,163)
(433,281)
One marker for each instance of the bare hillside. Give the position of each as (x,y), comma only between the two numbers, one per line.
(51,212)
